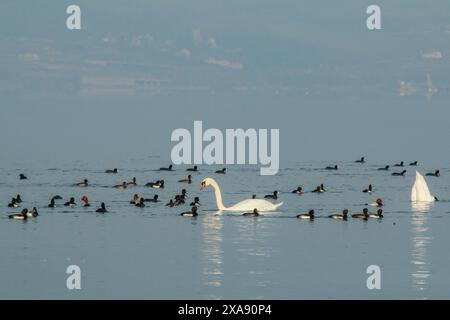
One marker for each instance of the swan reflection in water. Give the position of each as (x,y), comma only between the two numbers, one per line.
(212,251)
(421,240)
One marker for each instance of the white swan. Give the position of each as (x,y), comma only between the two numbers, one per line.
(420,191)
(249,204)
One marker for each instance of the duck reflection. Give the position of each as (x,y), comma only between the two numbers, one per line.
(421,240)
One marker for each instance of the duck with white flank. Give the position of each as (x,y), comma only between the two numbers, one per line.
(132,183)
(306,216)
(121,186)
(196,202)
(192,213)
(159,184)
(377,215)
(170,203)
(369,189)
(70,203)
(13,203)
(83,183)
(299,190)
(20,216)
(377,203)
(364,215)
(319,189)
(340,216)
(33,213)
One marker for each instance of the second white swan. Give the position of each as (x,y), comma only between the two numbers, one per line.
(420,191)
(249,204)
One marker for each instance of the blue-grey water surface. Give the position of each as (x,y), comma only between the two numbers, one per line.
(154,253)
(76,102)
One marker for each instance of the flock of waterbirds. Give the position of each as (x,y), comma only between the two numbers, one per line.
(181,198)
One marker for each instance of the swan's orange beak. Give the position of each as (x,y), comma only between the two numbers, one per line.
(202,186)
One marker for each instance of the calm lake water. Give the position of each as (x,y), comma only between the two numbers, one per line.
(153,253)
(76,102)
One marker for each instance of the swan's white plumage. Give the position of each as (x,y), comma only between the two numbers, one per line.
(245,205)
(250,204)
(420,191)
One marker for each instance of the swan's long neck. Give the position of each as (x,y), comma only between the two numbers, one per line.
(218,195)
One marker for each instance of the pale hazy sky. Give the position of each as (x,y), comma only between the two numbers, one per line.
(139,69)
